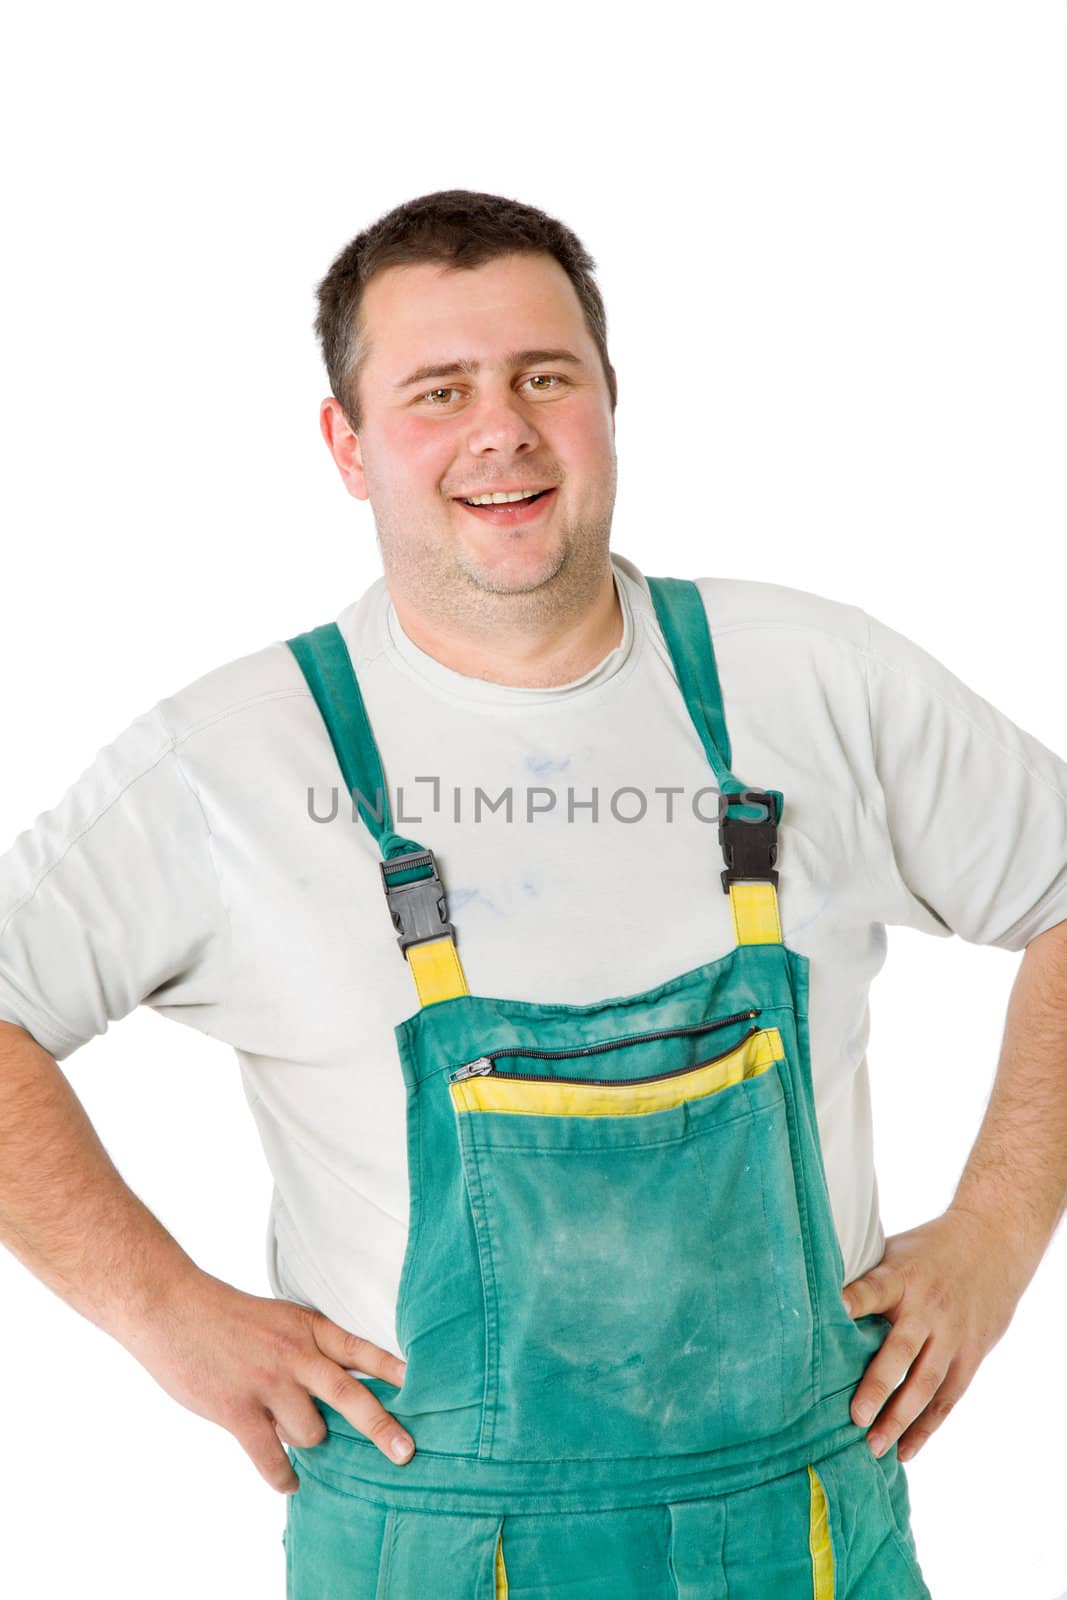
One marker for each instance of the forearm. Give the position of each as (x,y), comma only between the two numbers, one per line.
(1016,1174)
(65,1212)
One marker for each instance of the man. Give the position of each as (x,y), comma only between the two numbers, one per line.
(522,687)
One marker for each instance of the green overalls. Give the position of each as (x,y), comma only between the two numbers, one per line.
(629,1366)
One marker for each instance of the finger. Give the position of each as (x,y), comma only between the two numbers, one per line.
(954,1386)
(261,1444)
(298,1421)
(363,1410)
(914,1395)
(881,1289)
(887,1368)
(351,1350)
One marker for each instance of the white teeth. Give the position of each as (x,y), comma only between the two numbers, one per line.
(500,499)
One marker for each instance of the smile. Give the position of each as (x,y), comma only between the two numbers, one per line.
(511,513)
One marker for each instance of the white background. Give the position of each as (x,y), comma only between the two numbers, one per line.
(832,244)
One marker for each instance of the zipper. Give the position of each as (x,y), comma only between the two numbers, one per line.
(484,1065)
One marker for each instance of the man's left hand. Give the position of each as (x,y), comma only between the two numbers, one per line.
(950,1288)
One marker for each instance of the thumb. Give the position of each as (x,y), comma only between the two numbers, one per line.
(878,1290)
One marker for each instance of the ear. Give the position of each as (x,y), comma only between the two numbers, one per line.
(344,446)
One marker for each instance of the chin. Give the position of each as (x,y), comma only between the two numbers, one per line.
(515,574)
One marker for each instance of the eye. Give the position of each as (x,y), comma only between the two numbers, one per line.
(542,379)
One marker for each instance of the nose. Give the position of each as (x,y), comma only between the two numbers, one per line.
(501,422)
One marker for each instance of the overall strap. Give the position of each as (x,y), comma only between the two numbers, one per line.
(748,825)
(414,893)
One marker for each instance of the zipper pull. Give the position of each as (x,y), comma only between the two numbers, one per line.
(472,1069)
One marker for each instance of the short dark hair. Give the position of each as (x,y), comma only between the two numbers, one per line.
(458,228)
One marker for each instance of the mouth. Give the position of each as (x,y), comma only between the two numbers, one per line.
(514,513)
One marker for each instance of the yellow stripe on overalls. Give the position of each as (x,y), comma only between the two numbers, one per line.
(822,1556)
(564,1099)
(755,911)
(501,1572)
(437,970)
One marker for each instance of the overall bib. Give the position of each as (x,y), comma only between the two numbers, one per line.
(629,1366)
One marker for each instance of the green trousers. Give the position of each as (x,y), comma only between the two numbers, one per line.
(761,1543)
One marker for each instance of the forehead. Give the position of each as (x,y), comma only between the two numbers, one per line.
(427,311)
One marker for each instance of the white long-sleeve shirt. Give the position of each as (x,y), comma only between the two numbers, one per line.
(185,870)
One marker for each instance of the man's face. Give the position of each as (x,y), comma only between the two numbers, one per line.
(535,414)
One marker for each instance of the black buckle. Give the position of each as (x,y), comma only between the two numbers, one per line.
(749,845)
(419,909)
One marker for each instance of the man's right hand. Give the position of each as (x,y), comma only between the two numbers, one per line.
(251,1364)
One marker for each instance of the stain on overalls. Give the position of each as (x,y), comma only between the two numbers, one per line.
(629,1366)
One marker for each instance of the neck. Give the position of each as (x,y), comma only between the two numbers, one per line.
(527,650)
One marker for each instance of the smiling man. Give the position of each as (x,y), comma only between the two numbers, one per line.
(518,591)
(578,1281)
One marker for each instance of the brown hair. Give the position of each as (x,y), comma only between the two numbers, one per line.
(458,228)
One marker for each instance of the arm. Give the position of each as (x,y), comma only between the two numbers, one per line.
(246,1362)
(64,1210)
(952,1285)
(112,899)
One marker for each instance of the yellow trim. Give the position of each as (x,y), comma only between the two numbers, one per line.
(436,968)
(822,1555)
(753,1056)
(501,1571)
(755,910)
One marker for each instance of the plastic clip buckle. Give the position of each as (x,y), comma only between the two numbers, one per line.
(749,846)
(419,909)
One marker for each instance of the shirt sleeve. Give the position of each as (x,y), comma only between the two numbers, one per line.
(976,808)
(112,899)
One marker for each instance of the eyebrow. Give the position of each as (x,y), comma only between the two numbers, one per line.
(513,358)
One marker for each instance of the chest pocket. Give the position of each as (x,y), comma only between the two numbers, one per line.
(640,1244)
